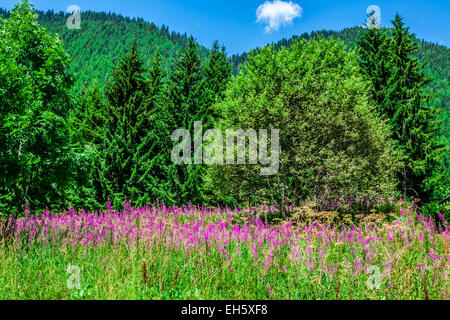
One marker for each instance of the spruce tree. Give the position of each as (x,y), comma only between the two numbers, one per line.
(218,72)
(127,114)
(374,58)
(187,104)
(186,89)
(399,81)
(152,167)
(414,120)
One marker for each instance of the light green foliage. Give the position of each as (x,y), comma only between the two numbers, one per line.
(332,144)
(437,68)
(38,155)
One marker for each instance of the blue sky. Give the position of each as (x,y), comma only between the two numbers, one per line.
(234,22)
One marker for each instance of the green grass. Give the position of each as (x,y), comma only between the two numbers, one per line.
(107,272)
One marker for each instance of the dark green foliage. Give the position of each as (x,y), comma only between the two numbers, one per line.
(438,69)
(127,130)
(398,82)
(188,103)
(186,93)
(149,181)
(218,73)
(374,55)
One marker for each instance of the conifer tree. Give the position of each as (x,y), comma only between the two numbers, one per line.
(127,114)
(374,58)
(87,121)
(186,89)
(152,167)
(398,88)
(218,72)
(414,120)
(89,116)
(187,104)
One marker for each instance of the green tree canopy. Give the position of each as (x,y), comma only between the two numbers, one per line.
(38,155)
(127,129)
(332,143)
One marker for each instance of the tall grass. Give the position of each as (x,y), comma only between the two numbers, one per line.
(192,252)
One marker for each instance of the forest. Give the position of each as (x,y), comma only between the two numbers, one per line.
(88,185)
(437,68)
(110,94)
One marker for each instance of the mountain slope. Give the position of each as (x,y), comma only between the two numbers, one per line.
(105,37)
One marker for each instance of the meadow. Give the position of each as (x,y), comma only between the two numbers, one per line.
(190,252)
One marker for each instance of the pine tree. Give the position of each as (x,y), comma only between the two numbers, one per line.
(398,89)
(374,58)
(218,72)
(415,122)
(185,93)
(187,104)
(127,116)
(152,167)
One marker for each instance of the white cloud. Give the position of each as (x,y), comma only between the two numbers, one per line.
(277,13)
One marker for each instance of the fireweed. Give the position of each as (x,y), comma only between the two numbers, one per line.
(191,252)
